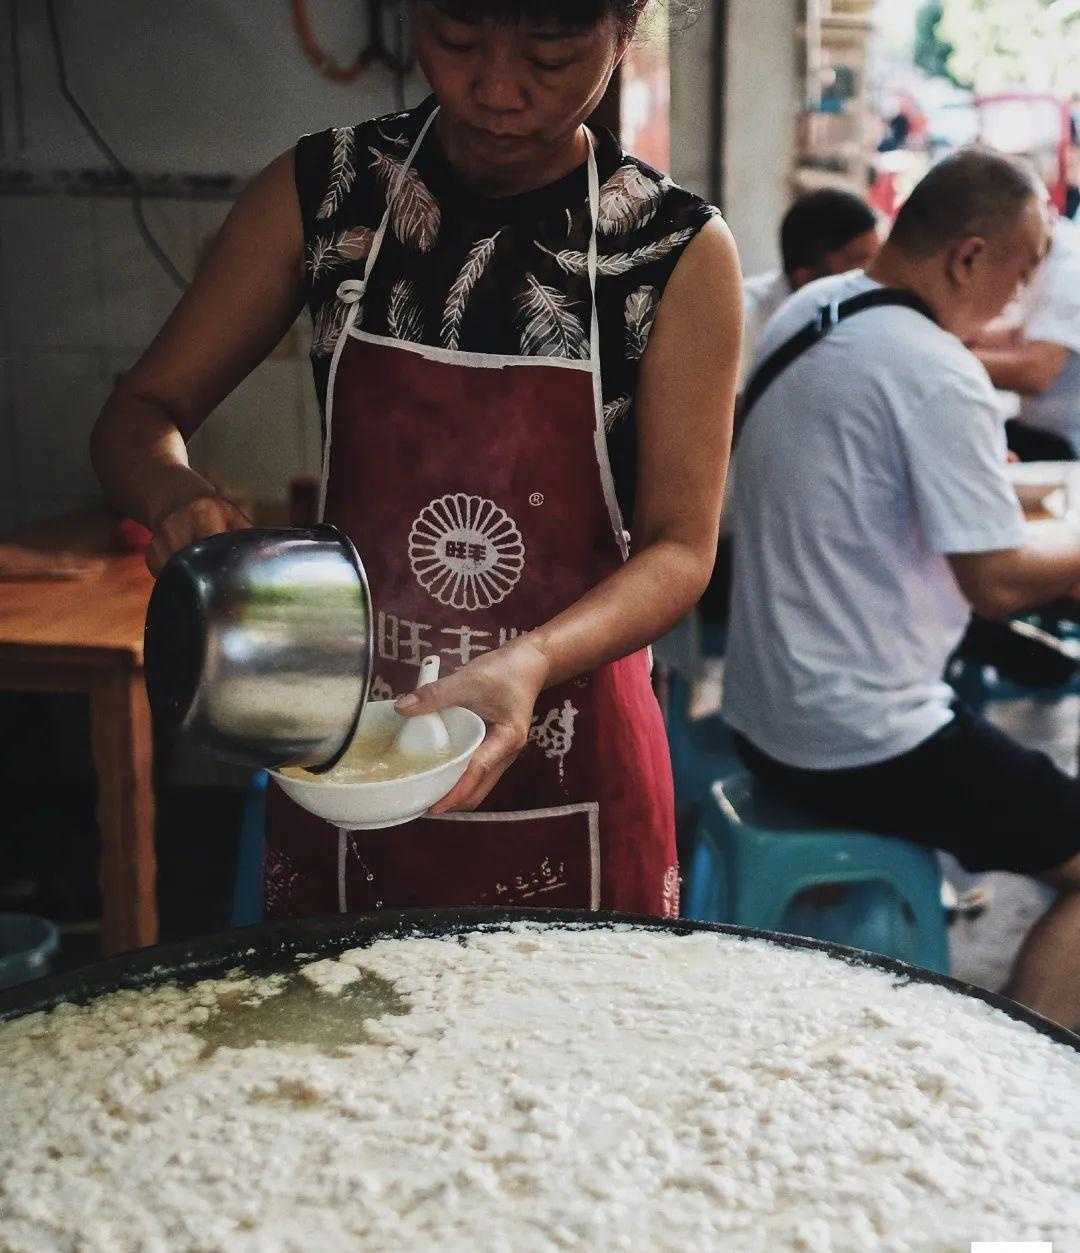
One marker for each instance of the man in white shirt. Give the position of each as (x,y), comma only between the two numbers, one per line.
(871,514)
(824,232)
(1042,363)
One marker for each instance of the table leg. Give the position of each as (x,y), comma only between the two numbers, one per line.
(123,757)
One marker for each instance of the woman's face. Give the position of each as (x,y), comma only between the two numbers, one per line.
(513,93)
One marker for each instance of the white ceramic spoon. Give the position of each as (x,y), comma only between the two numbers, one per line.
(424,735)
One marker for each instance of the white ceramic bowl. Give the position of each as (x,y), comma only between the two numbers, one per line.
(1033,481)
(389,802)
(1032,495)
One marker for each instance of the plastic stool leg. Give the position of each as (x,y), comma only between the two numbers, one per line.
(705,889)
(769,872)
(932,949)
(247,901)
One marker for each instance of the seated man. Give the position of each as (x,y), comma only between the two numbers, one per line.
(1042,360)
(824,232)
(871,513)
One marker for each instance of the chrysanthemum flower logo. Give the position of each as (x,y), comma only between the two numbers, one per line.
(466,552)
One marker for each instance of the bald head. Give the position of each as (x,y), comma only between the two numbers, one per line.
(970,234)
(972,194)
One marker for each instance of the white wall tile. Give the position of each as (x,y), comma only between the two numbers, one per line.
(40,508)
(135,292)
(303,330)
(206,218)
(116,362)
(9,491)
(226,89)
(9,298)
(49,273)
(251,442)
(310,421)
(310,413)
(56,400)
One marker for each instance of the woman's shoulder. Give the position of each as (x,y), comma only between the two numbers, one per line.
(672,204)
(339,169)
(646,222)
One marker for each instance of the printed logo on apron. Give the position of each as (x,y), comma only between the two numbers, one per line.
(466,552)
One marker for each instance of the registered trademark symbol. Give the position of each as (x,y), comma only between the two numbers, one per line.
(536,499)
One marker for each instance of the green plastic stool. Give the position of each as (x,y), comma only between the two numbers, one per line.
(702,749)
(247,899)
(755,855)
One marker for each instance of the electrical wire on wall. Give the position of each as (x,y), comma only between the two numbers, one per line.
(126,175)
(404,59)
(17,101)
(398,58)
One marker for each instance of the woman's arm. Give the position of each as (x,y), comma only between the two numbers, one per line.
(248,292)
(684,404)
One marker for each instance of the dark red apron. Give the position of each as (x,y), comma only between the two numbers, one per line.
(478,492)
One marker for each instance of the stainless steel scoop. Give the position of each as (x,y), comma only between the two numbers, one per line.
(259,645)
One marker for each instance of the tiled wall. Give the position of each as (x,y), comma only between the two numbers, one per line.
(221,91)
(80,294)
(83,298)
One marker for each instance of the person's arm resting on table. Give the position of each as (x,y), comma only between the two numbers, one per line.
(1030,367)
(1049,332)
(247,294)
(968,509)
(684,402)
(1005,583)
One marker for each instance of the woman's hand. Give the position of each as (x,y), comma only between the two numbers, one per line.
(192,520)
(500,686)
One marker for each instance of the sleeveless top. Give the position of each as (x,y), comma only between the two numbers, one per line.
(492,275)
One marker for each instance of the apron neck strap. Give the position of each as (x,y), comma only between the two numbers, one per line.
(356,293)
(594,218)
(351,291)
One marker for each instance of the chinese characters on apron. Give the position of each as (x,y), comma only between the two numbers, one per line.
(478,492)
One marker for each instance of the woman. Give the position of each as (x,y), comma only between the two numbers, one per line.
(488,426)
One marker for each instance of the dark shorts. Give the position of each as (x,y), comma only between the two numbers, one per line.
(970,789)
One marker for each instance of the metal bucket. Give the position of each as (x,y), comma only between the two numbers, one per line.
(259,645)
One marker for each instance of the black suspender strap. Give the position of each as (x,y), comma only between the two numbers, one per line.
(813,332)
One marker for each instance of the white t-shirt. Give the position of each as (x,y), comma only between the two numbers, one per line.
(762,296)
(1053,316)
(872,456)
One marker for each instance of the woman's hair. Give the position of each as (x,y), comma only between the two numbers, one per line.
(574,13)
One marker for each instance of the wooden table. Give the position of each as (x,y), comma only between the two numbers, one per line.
(86,635)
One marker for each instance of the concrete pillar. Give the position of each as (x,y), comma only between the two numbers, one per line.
(762,99)
(692,98)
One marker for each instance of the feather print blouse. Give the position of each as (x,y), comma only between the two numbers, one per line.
(508,276)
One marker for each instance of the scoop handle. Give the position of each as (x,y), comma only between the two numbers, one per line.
(429,670)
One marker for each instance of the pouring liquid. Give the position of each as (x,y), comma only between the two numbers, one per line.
(372,758)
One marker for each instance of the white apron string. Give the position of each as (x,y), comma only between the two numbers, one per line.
(600,428)
(351,293)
